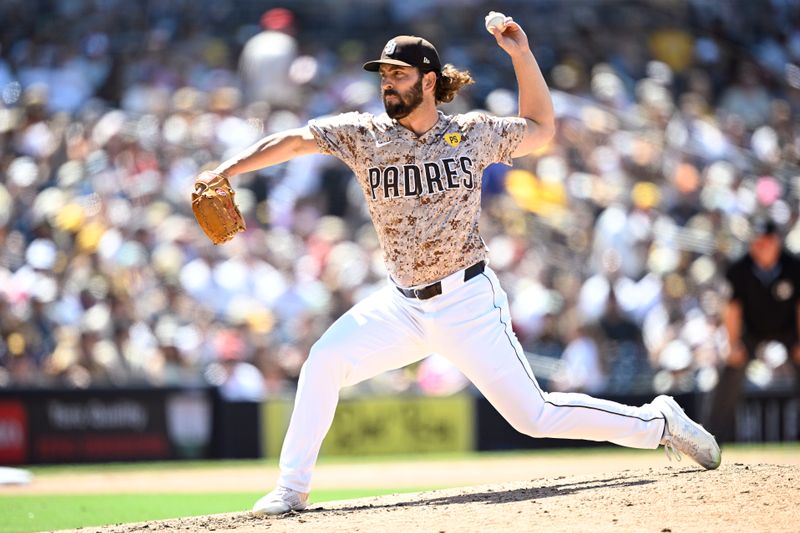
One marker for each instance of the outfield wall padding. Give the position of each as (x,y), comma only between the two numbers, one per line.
(46,426)
(43,426)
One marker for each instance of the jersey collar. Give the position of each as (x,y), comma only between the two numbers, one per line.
(395,127)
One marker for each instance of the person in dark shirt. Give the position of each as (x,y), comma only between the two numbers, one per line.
(623,349)
(764,297)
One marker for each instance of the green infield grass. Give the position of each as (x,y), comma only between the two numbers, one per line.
(22,514)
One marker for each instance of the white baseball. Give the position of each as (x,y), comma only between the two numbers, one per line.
(495,20)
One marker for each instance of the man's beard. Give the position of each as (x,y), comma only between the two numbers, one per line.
(405,103)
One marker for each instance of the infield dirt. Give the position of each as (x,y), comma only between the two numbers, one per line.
(737,497)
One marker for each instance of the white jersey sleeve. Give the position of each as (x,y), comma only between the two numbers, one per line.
(499,136)
(340,135)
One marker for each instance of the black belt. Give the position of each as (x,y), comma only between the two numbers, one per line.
(435,289)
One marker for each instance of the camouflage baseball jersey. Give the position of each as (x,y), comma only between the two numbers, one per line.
(423,193)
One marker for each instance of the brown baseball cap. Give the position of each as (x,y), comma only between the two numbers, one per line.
(408,51)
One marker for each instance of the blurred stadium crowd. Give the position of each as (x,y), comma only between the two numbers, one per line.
(677,123)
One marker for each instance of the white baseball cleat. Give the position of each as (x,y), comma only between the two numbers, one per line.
(683,435)
(280,501)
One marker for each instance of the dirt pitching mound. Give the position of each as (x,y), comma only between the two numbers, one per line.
(737,497)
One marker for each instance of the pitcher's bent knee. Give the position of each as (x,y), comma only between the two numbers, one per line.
(325,363)
(530,428)
(529,423)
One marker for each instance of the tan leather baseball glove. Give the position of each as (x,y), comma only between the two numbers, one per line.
(215,209)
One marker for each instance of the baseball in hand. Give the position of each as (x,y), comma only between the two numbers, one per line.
(495,20)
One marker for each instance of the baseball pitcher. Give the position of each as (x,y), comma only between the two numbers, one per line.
(420,171)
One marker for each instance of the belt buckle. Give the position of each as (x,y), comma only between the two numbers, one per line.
(418,293)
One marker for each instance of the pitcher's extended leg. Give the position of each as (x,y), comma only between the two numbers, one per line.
(476,335)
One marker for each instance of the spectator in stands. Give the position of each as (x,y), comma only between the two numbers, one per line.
(762,306)
(266,59)
(582,365)
(747,98)
(238,379)
(621,347)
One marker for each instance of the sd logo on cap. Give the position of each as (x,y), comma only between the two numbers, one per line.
(408,51)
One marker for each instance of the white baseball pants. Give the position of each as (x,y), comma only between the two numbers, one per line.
(470,324)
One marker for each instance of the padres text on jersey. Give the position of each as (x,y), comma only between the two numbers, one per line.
(414,180)
(423,193)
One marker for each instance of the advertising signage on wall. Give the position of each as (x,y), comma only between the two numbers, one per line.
(59,426)
(100,428)
(13,433)
(381,425)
